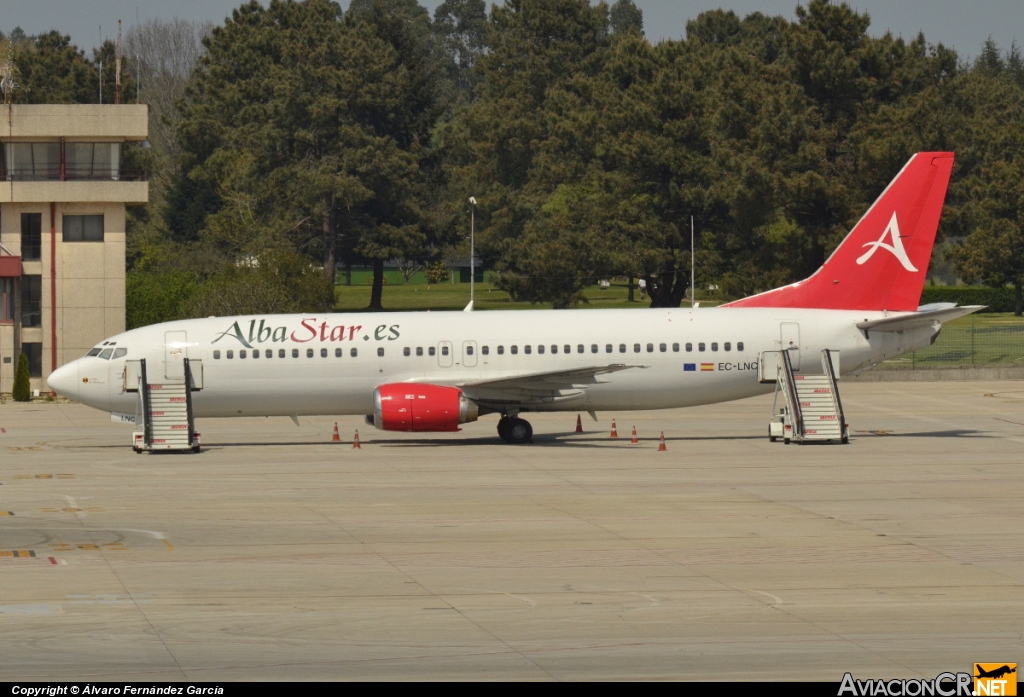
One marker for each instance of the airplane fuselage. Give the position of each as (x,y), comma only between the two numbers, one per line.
(329,364)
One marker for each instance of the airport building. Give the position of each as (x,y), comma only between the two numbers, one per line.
(63,193)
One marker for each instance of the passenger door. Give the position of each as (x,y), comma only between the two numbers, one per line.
(175,351)
(791,342)
(469,350)
(444,354)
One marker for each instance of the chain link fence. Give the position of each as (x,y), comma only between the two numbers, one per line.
(968,342)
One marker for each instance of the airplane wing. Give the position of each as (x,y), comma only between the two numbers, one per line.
(539,388)
(917,319)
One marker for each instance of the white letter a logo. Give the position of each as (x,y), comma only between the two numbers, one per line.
(893,231)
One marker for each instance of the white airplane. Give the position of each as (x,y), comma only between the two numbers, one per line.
(432,371)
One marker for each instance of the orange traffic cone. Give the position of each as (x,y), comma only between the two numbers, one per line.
(336,438)
(633,440)
(579,424)
(661,446)
(615,434)
(355,442)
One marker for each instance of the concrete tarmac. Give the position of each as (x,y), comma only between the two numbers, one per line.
(276,554)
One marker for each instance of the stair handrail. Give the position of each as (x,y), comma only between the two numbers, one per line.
(188,403)
(793,397)
(147,407)
(826,363)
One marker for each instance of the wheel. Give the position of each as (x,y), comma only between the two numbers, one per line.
(519,431)
(772,439)
(786,441)
(503,423)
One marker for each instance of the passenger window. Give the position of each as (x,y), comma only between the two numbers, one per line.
(406,351)
(622,348)
(338,353)
(607,348)
(231,354)
(241,353)
(419,350)
(527,349)
(554,348)
(431,350)
(689,347)
(354,353)
(515,350)
(540,348)
(120,353)
(255,353)
(675,348)
(380,351)
(663,348)
(728,346)
(323,353)
(501,350)
(444,350)
(269,353)
(580,348)
(700,346)
(650,348)
(593,348)
(485,350)
(714,345)
(281,353)
(739,345)
(636,348)
(568,349)
(216,355)
(295,353)
(469,350)
(309,353)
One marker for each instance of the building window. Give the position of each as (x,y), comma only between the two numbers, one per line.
(34,351)
(92,160)
(31,301)
(6,300)
(32,161)
(83,228)
(31,236)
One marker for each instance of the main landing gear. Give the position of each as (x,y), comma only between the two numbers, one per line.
(515,430)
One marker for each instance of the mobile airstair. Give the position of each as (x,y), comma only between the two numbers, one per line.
(812,409)
(164,408)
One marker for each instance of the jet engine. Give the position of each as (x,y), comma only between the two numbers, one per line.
(420,407)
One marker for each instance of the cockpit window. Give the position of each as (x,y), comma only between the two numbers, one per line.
(120,353)
(105,354)
(93,352)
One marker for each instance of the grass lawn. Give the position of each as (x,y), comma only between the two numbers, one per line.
(455,296)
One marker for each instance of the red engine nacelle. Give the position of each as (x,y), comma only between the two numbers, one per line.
(415,407)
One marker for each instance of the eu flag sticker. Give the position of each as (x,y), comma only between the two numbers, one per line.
(690,367)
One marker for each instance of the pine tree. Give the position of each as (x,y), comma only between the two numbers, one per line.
(22,390)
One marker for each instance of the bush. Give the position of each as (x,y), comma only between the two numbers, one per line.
(152,298)
(22,390)
(995,299)
(437,273)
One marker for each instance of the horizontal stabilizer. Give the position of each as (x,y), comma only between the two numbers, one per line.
(917,319)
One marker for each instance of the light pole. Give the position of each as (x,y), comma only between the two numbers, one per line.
(472,248)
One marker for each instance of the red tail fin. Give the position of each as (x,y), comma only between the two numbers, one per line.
(881,265)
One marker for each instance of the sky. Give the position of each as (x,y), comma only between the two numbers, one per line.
(956,23)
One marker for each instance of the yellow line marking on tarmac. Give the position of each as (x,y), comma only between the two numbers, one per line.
(17,553)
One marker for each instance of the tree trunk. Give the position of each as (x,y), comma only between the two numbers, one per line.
(1017,299)
(667,289)
(348,273)
(330,230)
(378,285)
(630,289)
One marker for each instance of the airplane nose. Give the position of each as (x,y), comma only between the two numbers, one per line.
(64,380)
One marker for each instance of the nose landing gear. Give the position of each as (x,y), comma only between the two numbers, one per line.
(515,430)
